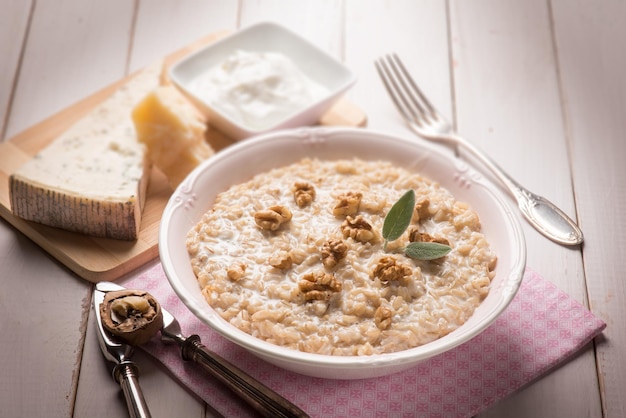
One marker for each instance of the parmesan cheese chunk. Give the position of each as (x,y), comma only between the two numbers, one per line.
(173,131)
(92,179)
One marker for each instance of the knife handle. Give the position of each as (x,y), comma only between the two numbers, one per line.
(127,375)
(263,399)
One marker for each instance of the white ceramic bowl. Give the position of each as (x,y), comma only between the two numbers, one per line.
(241,161)
(316,64)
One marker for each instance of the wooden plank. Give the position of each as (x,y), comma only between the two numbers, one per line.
(590,41)
(42,311)
(320,22)
(191,19)
(13,30)
(419,37)
(42,303)
(508,103)
(85,42)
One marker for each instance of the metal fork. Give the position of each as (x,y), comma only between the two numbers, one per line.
(423,119)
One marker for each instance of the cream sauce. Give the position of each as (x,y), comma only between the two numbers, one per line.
(258,89)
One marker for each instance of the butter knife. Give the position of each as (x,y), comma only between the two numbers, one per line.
(125,372)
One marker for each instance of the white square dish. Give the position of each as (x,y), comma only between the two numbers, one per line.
(317,65)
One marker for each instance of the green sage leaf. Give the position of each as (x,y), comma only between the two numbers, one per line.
(399,217)
(426,250)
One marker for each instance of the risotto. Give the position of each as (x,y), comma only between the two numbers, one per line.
(295,257)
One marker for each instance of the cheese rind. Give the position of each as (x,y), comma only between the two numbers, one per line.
(93,178)
(95,217)
(173,131)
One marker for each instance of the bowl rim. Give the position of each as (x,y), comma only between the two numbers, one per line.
(347,79)
(287,355)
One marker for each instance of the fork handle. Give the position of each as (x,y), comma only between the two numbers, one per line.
(542,214)
(263,399)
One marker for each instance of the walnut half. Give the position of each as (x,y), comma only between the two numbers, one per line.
(348,204)
(134,316)
(333,251)
(272,218)
(382,317)
(358,229)
(304,194)
(387,269)
(421,212)
(416,236)
(319,286)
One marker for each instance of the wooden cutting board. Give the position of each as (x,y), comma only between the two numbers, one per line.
(96,259)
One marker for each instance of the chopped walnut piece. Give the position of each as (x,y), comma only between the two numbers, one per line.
(416,236)
(332,252)
(236,271)
(281,260)
(348,204)
(304,194)
(319,286)
(272,218)
(421,210)
(382,317)
(388,269)
(358,229)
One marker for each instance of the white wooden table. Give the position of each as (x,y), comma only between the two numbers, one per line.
(537,84)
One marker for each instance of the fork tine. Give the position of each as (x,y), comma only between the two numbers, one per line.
(402,76)
(407,97)
(416,89)
(393,89)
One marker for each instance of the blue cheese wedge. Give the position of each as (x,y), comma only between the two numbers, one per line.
(92,179)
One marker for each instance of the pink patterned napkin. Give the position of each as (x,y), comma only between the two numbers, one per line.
(541,328)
